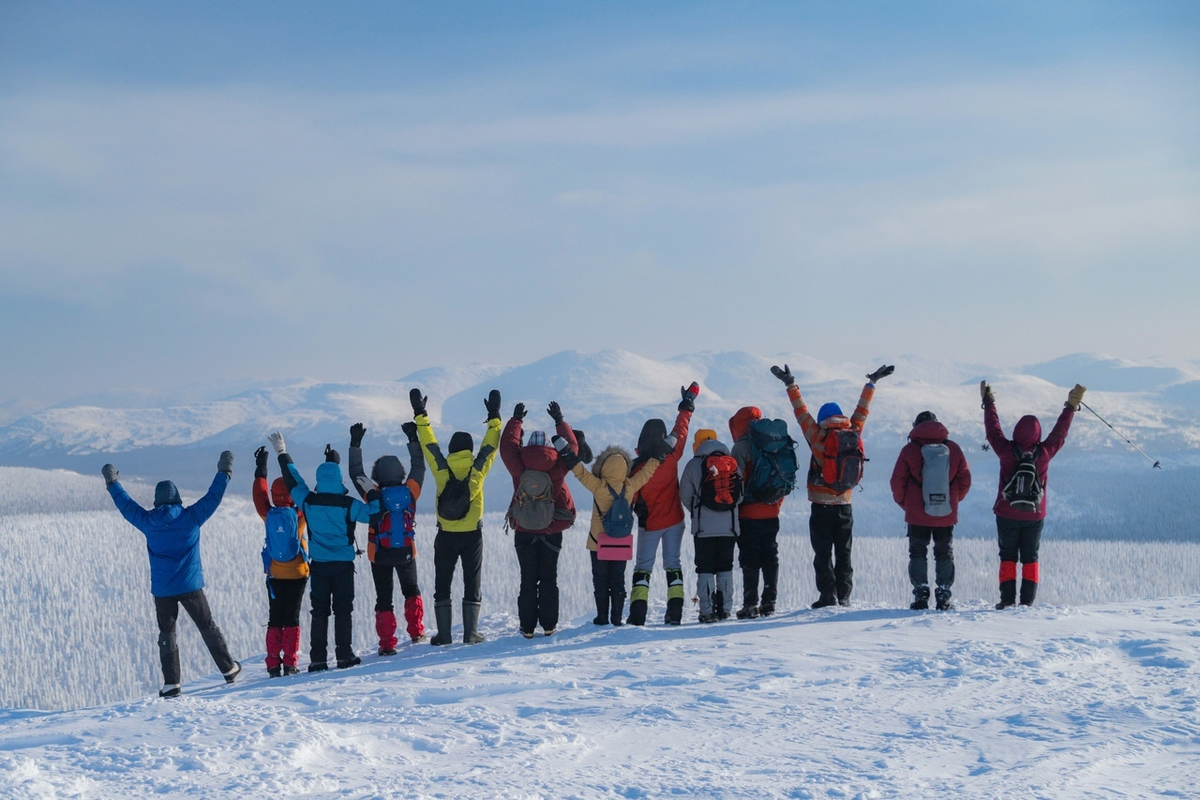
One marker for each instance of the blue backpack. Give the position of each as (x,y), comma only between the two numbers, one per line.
(395,528)
(282,542)
(772,462)
(618,520)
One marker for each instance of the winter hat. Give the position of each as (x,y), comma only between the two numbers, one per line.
(703,435)
(924,416)
(537,439)
(165,494)
(654,433)
(329,479)
(829,410)
(388,471)
(280,495)
(461,440)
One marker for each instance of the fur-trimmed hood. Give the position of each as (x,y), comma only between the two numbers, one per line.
(612,464)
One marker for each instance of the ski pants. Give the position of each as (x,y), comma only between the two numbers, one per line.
(758,552)
(196,606)
(383,575)
(285,596)
(831,531)
(919,537)
(449,548)
(647,548)
(537,602)
(608,578)
(714,554)
(1019,539)
(332,591)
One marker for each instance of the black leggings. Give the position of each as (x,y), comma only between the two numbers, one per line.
(385,586)
(285,596)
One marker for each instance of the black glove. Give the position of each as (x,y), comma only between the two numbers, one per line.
(110,474)
(565,455)
(665,449)
(410,430)
(225,463)
(418,401)
(689,395)
(357,432)
(519,411)
(784,375)
(493,404)
(882,372)
(585,452)
(332,455)
(260,462)
(555,412)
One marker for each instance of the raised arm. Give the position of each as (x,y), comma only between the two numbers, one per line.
(635,483)
(357,432)
(259,490)
(133,513)
(295,484)
(991,420)
(206,506)
(510,441)
(416,462)
(808,426)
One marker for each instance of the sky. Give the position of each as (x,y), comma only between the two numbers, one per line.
(206,192)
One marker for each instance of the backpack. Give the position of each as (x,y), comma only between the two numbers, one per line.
(454,501)
(395,528)
(618,520)
(840,465)
(1024,490)
(532,507)
(772,462)
(282,541)
(935,479)
(720,483)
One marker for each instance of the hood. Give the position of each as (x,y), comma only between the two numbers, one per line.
(460,441)
(388,471)
(1027,432)
(710,446)
(612,464)
(539,457)
(329,479)
(931,432)
(165,494)
(654,433)
(280,496)
(739,423)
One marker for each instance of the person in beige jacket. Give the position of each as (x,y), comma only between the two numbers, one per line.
(609,470)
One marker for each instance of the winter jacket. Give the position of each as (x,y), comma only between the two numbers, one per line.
(815,434)
(330,511)
(739,429)
(610,469)
(907,481)
(298,566)
(172,537)
(1026,435)
(661,495)
(705,521)
(460,464)
(544,458)
(416,476)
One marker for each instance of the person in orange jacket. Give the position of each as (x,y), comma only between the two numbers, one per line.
(286,580)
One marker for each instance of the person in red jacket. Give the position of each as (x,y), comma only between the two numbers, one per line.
(286,581)
(1020,506)
(758,528)
(541,509)
(931,477)
(660,512)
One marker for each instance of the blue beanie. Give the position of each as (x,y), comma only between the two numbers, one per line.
(829,410)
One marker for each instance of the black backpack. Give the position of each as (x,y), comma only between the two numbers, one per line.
(1024,489)
(454,501)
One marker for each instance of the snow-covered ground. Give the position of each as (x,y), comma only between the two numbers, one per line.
(868,702)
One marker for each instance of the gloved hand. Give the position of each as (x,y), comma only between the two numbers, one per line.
(260,462)
(332,455)
(519,411)
(418,401)
(784,375)
(410,430)
(364,483)
(492,403)
(565,455)
(357,432)
(110,473)
(985,392)
(555,412)
(666,448)
(276,440)
(882,372)
(1075,397)
(585,452)
(689,395)
(225,463)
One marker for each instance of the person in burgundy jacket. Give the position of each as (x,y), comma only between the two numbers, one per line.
(660,512)
(1018,530)
(758,528)
(931,477)
(537,550)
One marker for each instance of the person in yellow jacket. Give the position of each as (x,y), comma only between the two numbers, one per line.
(610,471)
(459,477)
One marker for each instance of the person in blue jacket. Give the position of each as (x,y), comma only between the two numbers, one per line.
(176,575)
(331,514)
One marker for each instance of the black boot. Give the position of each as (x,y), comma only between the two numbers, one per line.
(920,597)
(1008,594)
(318,638)
(1028,592)
(826,599)
(470,612)
(618,608)
(443,612)
(601,609)
(674,614)
(638,603)
(943,599)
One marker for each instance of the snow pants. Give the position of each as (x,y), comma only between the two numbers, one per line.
(758,553)
(608,584)
(647,548)
(919,537)
(285,596)
(383,575)
(196,606)
(1019,540)
(537,602)
(714,574)
(331,592)
(449,548)
(831,531)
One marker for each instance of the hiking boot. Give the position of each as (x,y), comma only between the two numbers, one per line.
(943,599)
(920,604)
(275,672)
(823,601)
(547,631)
(318,666)
(424,637)
(601,609)
(920,597)
(766,609)
(170,690)
(618,609)
(387,651)
(291,670)
(346,663)
(231,676)
(747,612)
(706,618)
(1008,594)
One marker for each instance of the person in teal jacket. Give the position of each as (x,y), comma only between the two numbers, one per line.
(172,534)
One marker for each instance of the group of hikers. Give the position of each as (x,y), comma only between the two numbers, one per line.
(728,496)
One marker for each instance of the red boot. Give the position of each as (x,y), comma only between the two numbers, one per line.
(274,646)
(385,626)
(291,649)
(414,615)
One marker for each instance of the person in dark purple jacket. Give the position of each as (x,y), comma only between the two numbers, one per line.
(930,478)
(1020,514)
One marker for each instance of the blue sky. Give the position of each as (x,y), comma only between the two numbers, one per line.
(204,191)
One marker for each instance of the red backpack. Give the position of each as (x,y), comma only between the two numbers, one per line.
(841,466)
(720,483)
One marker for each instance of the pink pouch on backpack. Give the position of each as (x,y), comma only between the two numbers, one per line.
(611,549)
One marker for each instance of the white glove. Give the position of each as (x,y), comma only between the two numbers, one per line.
(365,484)
(276,440)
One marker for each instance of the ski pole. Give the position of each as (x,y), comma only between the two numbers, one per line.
(1154,464)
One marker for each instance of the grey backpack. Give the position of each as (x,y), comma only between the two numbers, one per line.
(532,507)
(935,479)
